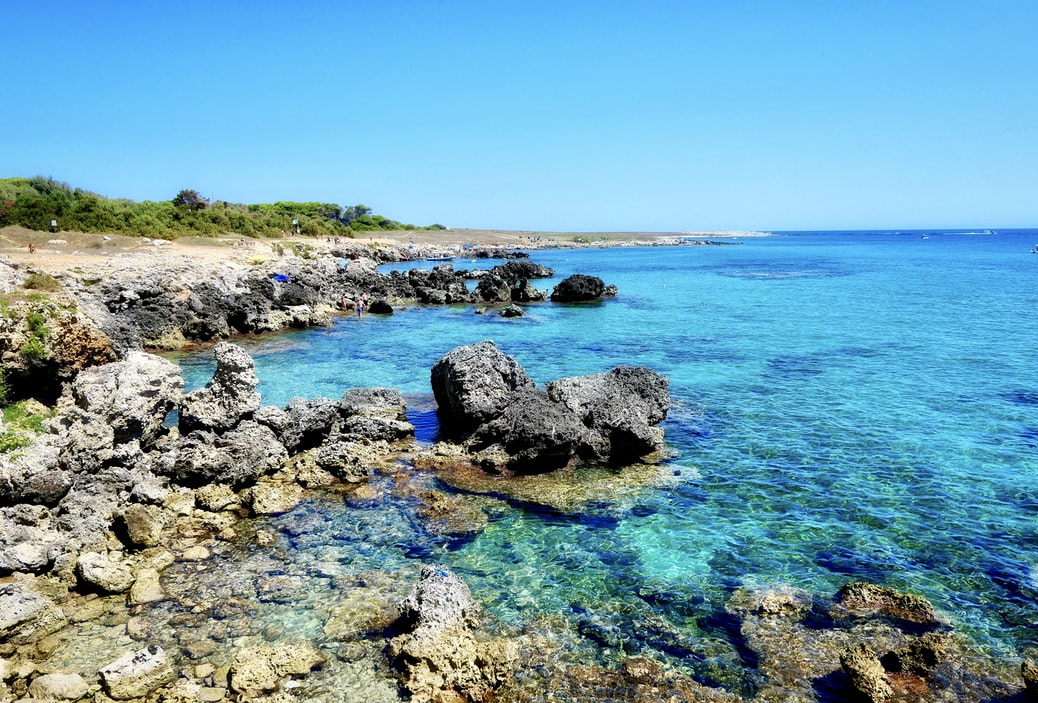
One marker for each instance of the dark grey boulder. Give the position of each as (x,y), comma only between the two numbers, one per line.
(512,311)
(515,271)
(473,384)
(523,292)
(381,307)
(493,289)
(537,434)
(308,422)
(581,288)
(622,407)
(374,402)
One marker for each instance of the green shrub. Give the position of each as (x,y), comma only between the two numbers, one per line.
(34,349)
(41,281)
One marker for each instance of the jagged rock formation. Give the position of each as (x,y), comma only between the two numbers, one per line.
(487,401)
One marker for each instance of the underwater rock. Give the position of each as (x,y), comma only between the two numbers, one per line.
(59,687)
(136,674)
(473,384)
(26,615)
(921,656)
(438,653)
(864,598)
(261,667)
(228,398)
(448,515)
(865,673)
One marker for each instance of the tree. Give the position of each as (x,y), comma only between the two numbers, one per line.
(354,212)
(191,200)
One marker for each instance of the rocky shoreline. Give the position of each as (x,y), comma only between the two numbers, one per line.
(118,522)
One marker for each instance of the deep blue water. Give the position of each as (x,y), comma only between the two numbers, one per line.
(845,406)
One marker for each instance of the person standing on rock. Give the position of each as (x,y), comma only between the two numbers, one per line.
(361,302)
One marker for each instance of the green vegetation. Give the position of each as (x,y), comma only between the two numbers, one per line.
(35,346)
(41,281)
(35,203)
(22,421)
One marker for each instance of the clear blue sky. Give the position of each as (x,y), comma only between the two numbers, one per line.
(570,116)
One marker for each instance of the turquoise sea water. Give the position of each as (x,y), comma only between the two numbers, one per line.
(845,406)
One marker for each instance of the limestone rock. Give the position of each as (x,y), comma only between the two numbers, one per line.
(133,396)
(146,588)
(439,653)
(452,664)
(580,288)
(386,403)
(234,458)
(275,498)
(100,571)
(26,615)
(439,600)
(143,524)
(866,674)
(474,384)
(261,667)
(308,422)
(228,398)
(622,407)
(60,687)
(1029,671)
(536,434)
(862,597)
(921,656)
(136,674)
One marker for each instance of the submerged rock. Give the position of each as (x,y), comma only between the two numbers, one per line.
(439,653)
(261,667)
(863,598)
(26,615)
(136,674)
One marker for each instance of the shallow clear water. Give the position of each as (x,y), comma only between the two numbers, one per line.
(846,406)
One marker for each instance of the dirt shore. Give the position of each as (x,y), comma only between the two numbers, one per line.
(61,251)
